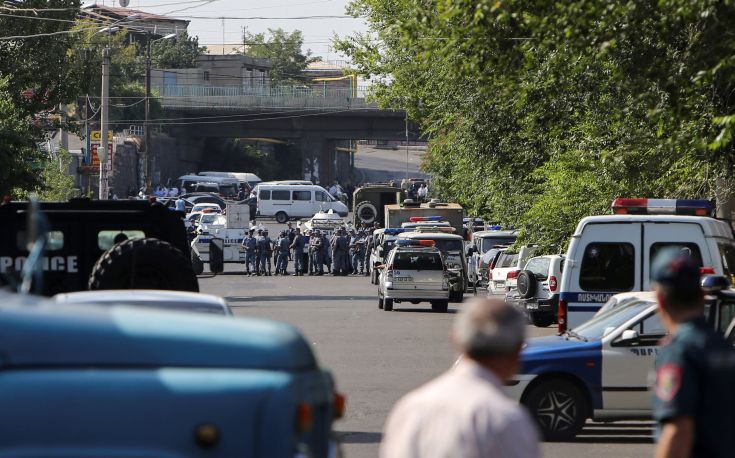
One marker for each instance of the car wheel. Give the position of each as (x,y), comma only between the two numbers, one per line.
(281,218)
(440,306)
(380,302)
(541,319)
(559,407)
(388,305)
(196,264)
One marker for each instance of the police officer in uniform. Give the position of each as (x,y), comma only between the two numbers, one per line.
(326,259)
(297,245)
(694,392)
(357,251)
(268,250)
(340,251)
(317,253)
(282,247)
(249,244)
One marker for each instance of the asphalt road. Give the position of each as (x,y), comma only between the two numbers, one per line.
(377,356)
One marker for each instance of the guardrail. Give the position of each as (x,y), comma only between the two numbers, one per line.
(236,97)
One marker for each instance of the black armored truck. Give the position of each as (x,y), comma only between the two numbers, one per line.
(111,244)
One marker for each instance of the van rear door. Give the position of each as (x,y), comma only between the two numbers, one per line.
(687,237)
(605,264)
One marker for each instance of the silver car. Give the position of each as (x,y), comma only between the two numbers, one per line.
(414,271)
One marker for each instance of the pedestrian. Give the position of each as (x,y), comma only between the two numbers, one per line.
(695,369)
(465,412)
(297,246)
(282,246)
(173,192)
(291,235)
(267,251)
(317,260)
(306,235)
(180,205)
(357,252)
(423,192)
(326,259)
(249,245)
(340,253)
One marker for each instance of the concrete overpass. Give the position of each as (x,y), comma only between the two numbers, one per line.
(318,118)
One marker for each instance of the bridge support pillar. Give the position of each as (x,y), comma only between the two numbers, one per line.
(318,157)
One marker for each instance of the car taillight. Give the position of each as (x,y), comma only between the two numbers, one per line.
(339,405)
(303,417)
(513,274)
(552,283)
(562,315)
(707,270)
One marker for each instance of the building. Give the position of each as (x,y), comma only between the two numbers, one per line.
(138,23)
(232,70)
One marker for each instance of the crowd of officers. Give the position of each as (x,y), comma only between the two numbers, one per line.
(343,252)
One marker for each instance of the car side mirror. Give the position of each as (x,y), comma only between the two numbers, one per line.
(628,336)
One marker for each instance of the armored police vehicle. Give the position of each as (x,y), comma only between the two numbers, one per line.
(229,230)
(370,200)
(396,215)
(612,254)
(99,245)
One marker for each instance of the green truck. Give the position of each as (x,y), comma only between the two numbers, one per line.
(369,201)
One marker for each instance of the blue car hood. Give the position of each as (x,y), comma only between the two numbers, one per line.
(553,346)
(53,335)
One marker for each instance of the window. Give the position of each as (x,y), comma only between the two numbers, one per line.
(507,260)
(692,249)
(206,76)
(539,267)
(446,246)
(489,242)
(264,195)
(418,261)
(281,195)
(322,196)
(651,326)
(54,241)
(727,255)
(608,267)
(106,239)
(302,195)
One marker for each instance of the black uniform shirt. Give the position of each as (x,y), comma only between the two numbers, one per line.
(695,377)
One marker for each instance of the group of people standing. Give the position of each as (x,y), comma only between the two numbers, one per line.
(342,253)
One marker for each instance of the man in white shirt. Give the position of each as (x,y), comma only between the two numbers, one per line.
(465,412)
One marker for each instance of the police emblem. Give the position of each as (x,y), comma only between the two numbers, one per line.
(668,381)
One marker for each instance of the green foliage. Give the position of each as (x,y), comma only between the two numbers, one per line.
(19,155)
(540,113)
(55,183)
(285,50)
(179,52)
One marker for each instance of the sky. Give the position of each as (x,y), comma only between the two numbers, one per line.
(317,32)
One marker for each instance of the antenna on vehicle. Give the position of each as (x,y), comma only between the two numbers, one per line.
(36,230)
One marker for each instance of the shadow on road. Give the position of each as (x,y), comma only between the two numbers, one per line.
(421,310)
(617,433)
(296,298)
(358,437)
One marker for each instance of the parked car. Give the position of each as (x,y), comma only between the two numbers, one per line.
(157,299)
(538,288)
(205,197)
(414,271)
(507,268)
(285,202)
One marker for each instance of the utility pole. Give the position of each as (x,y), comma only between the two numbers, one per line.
(406,145)
(147,132)
(102,152)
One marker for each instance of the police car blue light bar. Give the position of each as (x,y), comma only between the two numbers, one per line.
(419,219)
(496,228)
(697,207)
(394,231)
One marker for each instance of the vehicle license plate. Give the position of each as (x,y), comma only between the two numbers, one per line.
(531,305)
(404,279)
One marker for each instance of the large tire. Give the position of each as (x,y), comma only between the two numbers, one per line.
(388,305)
(366,212)
(281,218)
(559,407)
(440,306)
(143,264)
(380,302)
(374,276)
(541,319)
(526,284)
(196,264)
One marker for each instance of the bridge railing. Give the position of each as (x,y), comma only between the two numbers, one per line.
(262,97)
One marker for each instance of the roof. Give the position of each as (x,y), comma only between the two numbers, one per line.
(116,12)
(711,227)
(136,295)
(484,234)
(427,207)
(429,236)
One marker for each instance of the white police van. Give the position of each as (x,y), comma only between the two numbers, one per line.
(612,254)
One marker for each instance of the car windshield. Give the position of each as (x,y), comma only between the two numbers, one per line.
(209,218)
(595,328)
(418,261)
(489,242)
(448,246)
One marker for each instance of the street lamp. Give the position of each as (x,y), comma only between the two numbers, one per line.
(146,129)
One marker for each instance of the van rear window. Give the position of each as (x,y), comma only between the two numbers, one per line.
(418,261)
(691,249)
(608,267)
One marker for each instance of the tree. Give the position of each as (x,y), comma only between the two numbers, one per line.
(179,52)
(540,113)
(285,51)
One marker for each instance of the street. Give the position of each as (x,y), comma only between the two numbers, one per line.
(376,357)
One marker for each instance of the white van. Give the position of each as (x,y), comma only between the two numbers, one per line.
(284,202)
(612,254)
(249,179)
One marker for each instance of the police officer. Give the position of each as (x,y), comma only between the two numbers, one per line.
(297,246)
(260,253)
(326,259)
(268,251)
(695,370)
(317,253)
(249,244)
(291,232)
(340,249)
(357,248)
(282,245)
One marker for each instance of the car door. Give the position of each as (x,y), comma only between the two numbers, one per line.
(321,201)
(606,262)
(627,365)
(688,238)
(302,202)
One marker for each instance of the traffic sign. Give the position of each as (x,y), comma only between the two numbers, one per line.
(96,136)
